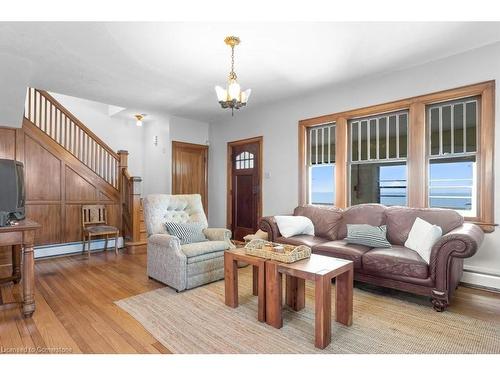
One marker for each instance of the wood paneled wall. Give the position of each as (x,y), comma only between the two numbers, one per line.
(57,184)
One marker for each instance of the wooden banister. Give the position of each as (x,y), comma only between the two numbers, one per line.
(44,112)
(91,134)
(130,188)
(52,118)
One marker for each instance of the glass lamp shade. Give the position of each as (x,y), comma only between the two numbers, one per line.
(234,90)
(139,123)
(221,94)
(245,95)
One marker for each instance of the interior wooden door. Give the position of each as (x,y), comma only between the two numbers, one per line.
(245,186)
(190,170)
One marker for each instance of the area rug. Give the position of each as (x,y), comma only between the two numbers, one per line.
(198,321)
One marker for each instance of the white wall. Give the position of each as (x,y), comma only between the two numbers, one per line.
(152,163)
(158,159)
(277,122)
(15,74)
(185,130)
(117,132)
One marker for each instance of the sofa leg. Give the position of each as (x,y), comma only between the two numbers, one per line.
(439,300)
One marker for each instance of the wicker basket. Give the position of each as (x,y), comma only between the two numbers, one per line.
(265,249)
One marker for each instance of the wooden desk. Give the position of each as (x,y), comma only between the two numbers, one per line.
(320,270)
(23,235)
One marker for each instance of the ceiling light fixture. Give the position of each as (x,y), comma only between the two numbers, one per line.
(139,119)
(232,97)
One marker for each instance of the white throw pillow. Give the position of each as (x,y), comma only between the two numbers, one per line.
(293,225)
(422,237)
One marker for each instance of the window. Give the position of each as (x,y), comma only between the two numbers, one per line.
(432,150)
(244,160)
(379,148)
(452,137)
(321,164)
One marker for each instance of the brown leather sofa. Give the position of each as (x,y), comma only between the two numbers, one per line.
(397,267)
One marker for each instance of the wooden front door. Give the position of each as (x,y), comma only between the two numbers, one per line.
(244,201)
(190,170)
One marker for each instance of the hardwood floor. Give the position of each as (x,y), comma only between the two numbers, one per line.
(75,310)
(74,306)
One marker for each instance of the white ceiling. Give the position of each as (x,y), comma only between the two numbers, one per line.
(173,67)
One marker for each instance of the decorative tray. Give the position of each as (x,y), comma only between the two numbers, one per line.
(279,252)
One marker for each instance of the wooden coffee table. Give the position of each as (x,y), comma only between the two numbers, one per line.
(231,258)
(321,270)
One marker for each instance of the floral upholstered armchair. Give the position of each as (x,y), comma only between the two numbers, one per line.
(182,266)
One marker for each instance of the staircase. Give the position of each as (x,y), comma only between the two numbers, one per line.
(93,161)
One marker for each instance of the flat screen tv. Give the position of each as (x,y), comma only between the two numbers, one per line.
(12,195)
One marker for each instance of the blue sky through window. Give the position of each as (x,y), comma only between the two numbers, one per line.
(323,184)
(451,184)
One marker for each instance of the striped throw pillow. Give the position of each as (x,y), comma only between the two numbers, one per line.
(186,232)
(368,235)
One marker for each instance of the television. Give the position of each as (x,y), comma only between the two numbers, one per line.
(12,193)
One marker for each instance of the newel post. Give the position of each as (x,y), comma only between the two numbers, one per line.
(135,193)
(123,161)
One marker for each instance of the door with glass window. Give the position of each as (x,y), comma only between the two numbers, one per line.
(244,203)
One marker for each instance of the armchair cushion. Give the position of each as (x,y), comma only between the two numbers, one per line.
(217,234)
(201,248)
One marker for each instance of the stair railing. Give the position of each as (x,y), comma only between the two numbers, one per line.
(130,187)
(47,114)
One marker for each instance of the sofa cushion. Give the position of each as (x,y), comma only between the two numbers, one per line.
(302,239)
(200,248)
(400,221)
(293,225)
(397,260)
(371,213)
(364,234)
(341,249)
(326,219)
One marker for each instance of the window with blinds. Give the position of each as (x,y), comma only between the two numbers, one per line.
(379,148)
(321,164)
(452,148)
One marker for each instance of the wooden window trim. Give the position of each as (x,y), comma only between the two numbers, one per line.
(417,162)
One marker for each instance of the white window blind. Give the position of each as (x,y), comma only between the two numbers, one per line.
(380,137)
(321,145)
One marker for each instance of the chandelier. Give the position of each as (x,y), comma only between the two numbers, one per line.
(232,97)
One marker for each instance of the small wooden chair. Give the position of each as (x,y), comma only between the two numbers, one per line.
(94,224)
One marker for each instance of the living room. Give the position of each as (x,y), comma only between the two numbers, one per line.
(334,194)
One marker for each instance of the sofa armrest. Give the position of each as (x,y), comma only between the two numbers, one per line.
(268,224)
(218,234)
(461,242)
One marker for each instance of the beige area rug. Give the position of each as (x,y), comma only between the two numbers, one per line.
(198,321)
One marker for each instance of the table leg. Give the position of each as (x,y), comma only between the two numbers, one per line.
(323,311)
(274,296)
(16,263)
(28,282)
(230,280)
(295,292)
(116,243)
(255,279)
(261,292)
(343,297)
